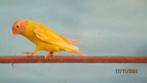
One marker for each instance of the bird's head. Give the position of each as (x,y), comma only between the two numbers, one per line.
(19,27)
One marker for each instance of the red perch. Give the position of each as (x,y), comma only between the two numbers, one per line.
(73,59)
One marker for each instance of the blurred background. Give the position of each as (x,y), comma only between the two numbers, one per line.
(104,27)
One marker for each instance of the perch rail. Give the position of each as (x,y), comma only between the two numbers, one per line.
(73,59)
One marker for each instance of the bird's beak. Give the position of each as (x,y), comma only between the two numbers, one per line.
(14,31)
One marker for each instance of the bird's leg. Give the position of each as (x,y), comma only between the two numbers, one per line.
(29,53)
(32,53)
(50,54)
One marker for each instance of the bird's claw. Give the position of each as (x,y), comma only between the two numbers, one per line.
(29,53)
(48,56)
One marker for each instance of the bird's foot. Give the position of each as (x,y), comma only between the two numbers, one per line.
(29,53)
(47,56)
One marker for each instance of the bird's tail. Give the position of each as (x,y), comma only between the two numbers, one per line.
(75,49)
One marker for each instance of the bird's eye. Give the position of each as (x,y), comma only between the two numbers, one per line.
(17,26)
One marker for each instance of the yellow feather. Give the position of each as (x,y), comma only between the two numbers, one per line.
(46,39)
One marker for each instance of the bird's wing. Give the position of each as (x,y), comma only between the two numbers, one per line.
(49,37)
(69,41)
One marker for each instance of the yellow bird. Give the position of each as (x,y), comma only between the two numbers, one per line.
(44,38)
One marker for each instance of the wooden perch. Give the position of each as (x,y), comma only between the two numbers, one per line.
(73,59)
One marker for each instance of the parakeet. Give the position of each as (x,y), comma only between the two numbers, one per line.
(44,38)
